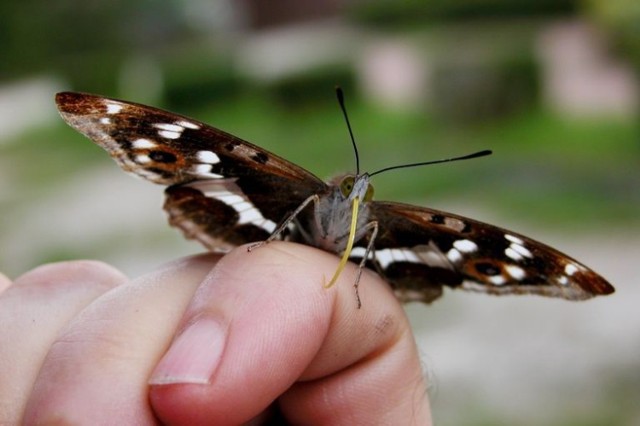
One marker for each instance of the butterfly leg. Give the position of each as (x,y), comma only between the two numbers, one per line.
(316,200)
(373,226)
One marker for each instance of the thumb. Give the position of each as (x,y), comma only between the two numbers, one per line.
(262,328)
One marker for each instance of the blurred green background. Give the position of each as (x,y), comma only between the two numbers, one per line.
(552,86)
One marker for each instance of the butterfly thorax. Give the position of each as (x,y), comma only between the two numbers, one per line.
(329,225)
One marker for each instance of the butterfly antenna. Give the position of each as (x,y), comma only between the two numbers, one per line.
(445,160)
(340,95)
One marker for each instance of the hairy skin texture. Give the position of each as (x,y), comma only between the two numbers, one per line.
(208,340)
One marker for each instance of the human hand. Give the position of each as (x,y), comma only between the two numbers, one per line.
(207,340)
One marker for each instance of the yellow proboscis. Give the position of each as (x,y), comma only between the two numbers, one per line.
(350,241)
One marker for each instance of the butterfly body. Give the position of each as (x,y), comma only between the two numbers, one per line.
(328,225)
(226,192)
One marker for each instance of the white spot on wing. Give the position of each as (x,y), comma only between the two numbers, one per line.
(516,272)
(513,254)
(522,250)
(170,127)
(169,134)
(203,171)
(514,239)
(229,198)
(387,256)
(105,120)
(231,195)
(142,158)
(465,246)
(358,252)
(570,269)
(187,124)
(168,130)
(243,205)
(384,257)
(432,256)
(410,256)
(201,168)
(497,280)
(143,143)
(267,225)
(250,215)
(113,108)
(454,255)
(208,157)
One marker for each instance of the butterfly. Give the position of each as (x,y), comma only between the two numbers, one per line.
(225,192)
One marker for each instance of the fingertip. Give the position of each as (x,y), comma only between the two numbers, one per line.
(284,273)
(193,355)
(102,358)
(34,311)
(5,282)
(73,272)
(274,315)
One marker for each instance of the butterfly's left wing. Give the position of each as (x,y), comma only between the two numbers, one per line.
(223,191)
(420,250)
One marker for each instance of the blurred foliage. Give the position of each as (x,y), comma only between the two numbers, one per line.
(312,87)
(482,70)
(197,74)
(621,19)
(390,13)
(485,90)
(40,35)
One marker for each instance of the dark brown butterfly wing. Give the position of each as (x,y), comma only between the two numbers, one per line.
(223,190)
(420,250)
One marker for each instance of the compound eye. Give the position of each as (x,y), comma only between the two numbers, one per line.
(368,196)
(346,186)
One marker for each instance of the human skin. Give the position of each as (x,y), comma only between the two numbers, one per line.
(207,340)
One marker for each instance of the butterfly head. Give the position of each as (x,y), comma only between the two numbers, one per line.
(352,186)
